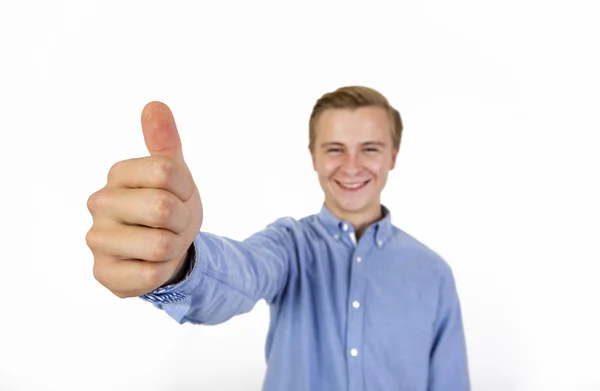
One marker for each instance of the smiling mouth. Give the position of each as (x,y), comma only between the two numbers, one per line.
(355,186)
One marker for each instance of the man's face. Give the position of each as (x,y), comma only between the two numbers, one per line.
(352,155)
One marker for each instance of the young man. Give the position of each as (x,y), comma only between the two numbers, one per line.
(356,303)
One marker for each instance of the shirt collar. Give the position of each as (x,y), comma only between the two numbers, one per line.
(381,229)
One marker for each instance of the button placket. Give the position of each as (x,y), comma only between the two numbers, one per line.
(354,338)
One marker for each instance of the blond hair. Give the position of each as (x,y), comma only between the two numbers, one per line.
(352,97)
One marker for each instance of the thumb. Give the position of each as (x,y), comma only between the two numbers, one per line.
(160,131)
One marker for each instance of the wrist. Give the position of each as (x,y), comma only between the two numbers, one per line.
(182,270)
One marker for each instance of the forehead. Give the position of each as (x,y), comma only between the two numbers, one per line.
(354,125)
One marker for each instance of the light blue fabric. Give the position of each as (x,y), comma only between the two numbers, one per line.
(378,314)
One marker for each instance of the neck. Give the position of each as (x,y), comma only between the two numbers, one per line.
(360,220)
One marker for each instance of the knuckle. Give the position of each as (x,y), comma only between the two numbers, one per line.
(104,272)
(152,277)
(91,239)
(120,295)
(163,209)
(93,202)
(99,274)
(164,246)
(113,173)
(163,170)
(96,272)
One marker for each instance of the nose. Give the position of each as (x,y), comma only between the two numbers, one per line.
(351,164)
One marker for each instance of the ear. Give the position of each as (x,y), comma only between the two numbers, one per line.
(394,157)
(312,157)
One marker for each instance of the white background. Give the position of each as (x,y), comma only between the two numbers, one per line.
(498,171)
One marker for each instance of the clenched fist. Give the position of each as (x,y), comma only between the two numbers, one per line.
(147,215)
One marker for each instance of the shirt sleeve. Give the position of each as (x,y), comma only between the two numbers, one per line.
(228,277)
(449,363)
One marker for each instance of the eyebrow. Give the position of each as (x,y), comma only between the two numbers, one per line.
(338,144)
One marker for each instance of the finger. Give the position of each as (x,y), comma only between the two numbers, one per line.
(155,208)
(156,172)
(130,278)
(160,131)
(134,242)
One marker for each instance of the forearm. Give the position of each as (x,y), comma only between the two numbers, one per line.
(226,277)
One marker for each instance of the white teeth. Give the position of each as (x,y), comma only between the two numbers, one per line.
(352,185)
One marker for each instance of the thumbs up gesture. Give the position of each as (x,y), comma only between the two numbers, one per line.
(147,215)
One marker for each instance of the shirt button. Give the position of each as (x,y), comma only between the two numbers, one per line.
(354,352)
(358,259)
(355,304)
(345,227)
(336,236)
(379,243)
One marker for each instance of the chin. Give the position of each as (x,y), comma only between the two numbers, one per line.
(349,205)
(353,201)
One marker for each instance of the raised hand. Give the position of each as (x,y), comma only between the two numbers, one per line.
(147,215)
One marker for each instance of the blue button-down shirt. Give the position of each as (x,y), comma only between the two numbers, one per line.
(380,313)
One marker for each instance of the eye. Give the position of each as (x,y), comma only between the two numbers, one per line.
(333,150)
(371,150)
